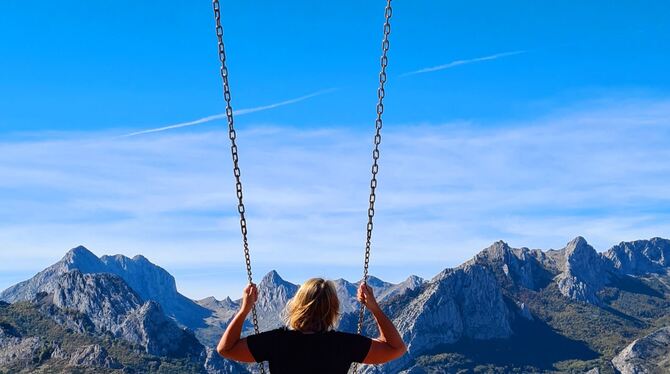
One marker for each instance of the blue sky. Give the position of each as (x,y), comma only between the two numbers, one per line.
(528,122)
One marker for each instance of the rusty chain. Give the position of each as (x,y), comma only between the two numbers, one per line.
(375,154)
(388,11)
(232,135)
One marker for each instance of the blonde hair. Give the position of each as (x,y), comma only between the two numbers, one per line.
(314,308)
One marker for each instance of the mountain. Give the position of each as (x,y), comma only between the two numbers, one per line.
(103,298)
(641,256)
(505,310)
(463,303)
(112,307)
(31,341)
(149,281)
(88,325)
(649,354)
(517,267)
(347,291)
(521,310)
(394,290)
(584,272)
(273,294)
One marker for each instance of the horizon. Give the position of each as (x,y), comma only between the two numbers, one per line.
(501,122)
(234,296)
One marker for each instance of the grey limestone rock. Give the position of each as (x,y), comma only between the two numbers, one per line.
(457,303)
(15,349)
(461,303)
(641,256)
(148,281)
(584,272)
(112,307)
(93,356)
(647,355)
(273,294)
(519,267)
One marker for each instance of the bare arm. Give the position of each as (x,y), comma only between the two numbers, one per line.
(389,345)
(231,346)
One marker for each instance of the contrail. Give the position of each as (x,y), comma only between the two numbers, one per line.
(240,112)
(462,62)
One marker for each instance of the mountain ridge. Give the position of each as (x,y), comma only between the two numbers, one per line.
(502,294)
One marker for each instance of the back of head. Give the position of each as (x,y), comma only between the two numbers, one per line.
(314,308)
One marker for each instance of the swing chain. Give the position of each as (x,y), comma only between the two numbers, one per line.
(232,135)
(375,154)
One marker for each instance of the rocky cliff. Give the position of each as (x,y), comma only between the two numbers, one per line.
(148,281)
(647,355)
(497,309)
(641,256)
(584,271)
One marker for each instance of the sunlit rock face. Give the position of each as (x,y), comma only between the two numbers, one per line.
(641,256)
(584,272)
(77,258)
(147,280)
(461,303)
(517,267)
(650,354)
(457,303)
(485,299)
(112,307)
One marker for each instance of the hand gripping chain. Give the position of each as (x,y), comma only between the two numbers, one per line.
(375,154)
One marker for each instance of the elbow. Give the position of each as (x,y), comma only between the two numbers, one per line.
(400,351)
(222,351)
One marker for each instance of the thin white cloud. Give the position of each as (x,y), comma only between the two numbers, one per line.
(239,112)
(462,62)
(445,191)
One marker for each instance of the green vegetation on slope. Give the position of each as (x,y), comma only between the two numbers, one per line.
(26,321)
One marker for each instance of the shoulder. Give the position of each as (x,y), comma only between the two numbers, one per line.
(278,330)
(269,334)
(354,347)
(347,336)
(343,333)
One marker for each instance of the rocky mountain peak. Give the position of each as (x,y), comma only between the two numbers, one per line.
(584,271)
(497,251)
(213,304)
(149,281)
(140,258)
(641,256)
(375,282)
(272,278)
(517,267)
(499,246)
(79,251)
(208,300)
(273,294)
(80,258)
(578,245)
(449,309)
(414,280)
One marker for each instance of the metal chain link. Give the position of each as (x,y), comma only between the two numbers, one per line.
(375,154)
(232,135)
(388,11)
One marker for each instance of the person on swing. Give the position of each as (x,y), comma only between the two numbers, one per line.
(309,343)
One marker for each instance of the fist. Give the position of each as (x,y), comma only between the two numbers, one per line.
(249,297)
(367,297)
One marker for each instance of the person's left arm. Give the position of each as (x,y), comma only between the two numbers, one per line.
(231,346)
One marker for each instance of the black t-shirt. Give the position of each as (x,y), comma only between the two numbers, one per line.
(290,351)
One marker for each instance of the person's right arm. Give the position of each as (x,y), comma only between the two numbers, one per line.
(389,345)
